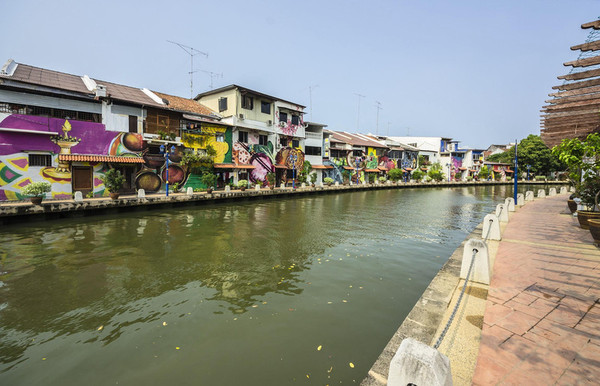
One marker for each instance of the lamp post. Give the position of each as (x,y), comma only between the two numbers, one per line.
(293,158)
(448,171)
(357,161)
(516,173)
(528,167)
(166,154)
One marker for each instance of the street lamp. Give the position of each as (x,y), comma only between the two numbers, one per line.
(293,158)
(166,154)
(528,167)
(357,161)
(448,171)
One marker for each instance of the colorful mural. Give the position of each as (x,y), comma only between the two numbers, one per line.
(208,136)
(287,127)
(456,163)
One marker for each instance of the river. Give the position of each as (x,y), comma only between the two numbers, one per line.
(271,292)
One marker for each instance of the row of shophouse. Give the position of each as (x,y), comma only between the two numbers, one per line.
(69,130)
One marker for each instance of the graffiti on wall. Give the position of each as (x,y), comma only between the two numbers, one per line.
(263,159)
(287,127)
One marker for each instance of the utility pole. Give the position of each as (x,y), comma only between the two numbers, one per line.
(358,111)
(310,88)
(191,52)
(378,107)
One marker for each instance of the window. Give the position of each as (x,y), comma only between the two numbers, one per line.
(295,120)
(357,153)
(283,117)
(40,160)
(295,143)
(312,150)
(220,138)
(222,104)
(49,112)
(133,123)
(262,140)
(265,107)
(247,102)
(243,136)
(283,141)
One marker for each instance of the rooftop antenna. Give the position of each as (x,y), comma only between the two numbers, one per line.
(358,111)
(408,131)
(212,75)
(388,128)
(310,88)
(378,107)
(191,52)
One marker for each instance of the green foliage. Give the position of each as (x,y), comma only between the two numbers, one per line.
(531,151)
(90,194)
(313,178)
(417,175)
(113,180)
(164,136)
(435,172)
(242,184)
(198,164)
(208,179)
(581,158)
(176,187)
(210,151)
(328,180)
(37,189)
(395,174)
(484,172)
(540,178)
(422,161)
(304,172)
(371,177)
(382,179)
(271,178)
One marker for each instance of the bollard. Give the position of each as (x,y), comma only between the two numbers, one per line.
(520,199)
(257,187)
(78,196)
(227,188)
(529,195)
(509,203)
(282,186)
(480,273)
(416,363)
(303,185)
(189,191)
(552,192)
(491,227)
(541,193)
(502,213)
(389,182)
(563,189)
(320,184)
(141,193)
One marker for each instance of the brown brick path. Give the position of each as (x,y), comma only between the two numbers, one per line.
(542,318)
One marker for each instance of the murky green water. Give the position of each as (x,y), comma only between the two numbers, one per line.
(230,294)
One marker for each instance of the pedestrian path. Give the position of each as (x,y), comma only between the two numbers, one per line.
(542,319)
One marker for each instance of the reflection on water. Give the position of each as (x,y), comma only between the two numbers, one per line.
(225,293)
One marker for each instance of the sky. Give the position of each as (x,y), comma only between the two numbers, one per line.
(476,71)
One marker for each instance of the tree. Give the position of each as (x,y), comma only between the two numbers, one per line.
(435,172)
(531,151)
(484,172)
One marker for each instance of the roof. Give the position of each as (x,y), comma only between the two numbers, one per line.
(101,158)
(243,90)
(355,139)
(185,104)
(59,80)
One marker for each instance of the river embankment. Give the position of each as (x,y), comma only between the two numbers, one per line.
(11,212)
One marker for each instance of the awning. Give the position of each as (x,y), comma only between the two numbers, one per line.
(372,170)
(277,166)
(408,169)
(234,166)
(382,168)
(508,171)
(462,168)
(320,167)
(101,158)
(349,168)
(472,170)
(196,118)
(424,169)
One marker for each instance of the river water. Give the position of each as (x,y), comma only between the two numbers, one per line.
(281,291)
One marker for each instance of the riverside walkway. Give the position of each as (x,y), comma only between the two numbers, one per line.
(542,317)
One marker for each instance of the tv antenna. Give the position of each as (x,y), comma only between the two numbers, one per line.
(388,128)
(310,88)
(212,75)
(191,52)
(378,107)
(358,111)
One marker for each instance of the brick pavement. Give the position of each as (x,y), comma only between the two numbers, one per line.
(542,317)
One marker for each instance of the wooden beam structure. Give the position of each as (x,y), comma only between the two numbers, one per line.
(584,62)
(579,91)
(576,85)
(592,24)
(590,46)
(576,98)
(581,75)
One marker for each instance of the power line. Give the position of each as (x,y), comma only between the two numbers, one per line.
(191,52)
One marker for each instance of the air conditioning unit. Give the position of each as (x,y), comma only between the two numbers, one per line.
(241,116)
(151,136)
(100,91)
(269,122)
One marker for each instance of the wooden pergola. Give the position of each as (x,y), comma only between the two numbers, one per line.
(574,110)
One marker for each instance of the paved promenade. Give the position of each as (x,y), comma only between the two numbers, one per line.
(542,319)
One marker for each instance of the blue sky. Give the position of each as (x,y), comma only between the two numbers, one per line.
(476,71)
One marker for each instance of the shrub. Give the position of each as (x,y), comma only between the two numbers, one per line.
(313,178)
(382,179)
(271,178)
(417,175)
(395,174)
(113,180)
(540,178)
(328,180)
(208,179)
(37,189)
(435,175)
(242,184)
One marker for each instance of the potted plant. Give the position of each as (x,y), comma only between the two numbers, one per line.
(313,179)
(371,177)
(113,181)
(37,191)
(208,179)
(395,174)
(177,187)
(382,180)
(242,184)
(571,152)
(328,181)
(271,180)
(417,175)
